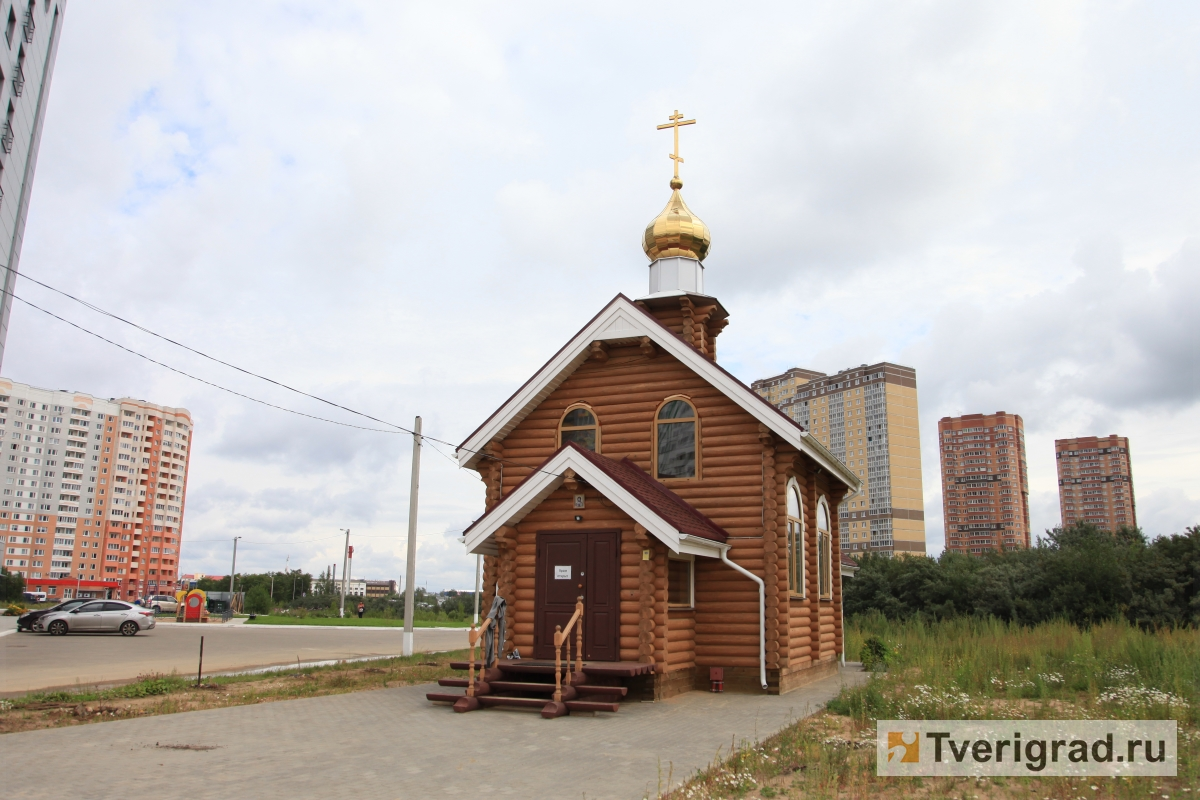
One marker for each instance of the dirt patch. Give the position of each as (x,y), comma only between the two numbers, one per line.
(186,746)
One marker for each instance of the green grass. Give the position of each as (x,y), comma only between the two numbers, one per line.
(365,622)
(969,668)
(1113,670)
(147,686)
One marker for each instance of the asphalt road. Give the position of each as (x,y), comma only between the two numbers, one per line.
(31,661)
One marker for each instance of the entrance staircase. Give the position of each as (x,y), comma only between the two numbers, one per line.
(555,688)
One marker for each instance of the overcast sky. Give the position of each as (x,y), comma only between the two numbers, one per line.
(407,208)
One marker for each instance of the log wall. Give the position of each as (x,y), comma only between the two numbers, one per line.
(743,472)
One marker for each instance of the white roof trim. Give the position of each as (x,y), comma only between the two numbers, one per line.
(540,485)
(621,319)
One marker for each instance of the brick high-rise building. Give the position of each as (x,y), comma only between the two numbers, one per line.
(985,482)
(32,30)
(1095,481)
(867,417)
(93,490)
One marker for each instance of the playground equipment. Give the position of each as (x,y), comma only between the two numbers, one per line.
(193,606)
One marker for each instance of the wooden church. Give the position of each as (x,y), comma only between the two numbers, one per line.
(690,524)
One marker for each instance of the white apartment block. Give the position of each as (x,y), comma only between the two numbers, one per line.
(93,490)
(32,29)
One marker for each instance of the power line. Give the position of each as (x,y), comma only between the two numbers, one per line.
(194,377)
(399,428)
(202,354)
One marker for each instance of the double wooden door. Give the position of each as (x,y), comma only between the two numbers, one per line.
(573,564)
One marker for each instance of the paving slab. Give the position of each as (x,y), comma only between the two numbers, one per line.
(393,743)
(33,661)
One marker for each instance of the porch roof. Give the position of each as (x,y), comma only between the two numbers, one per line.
(664,514)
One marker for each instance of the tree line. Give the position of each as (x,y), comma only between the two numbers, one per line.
(1080,573)
(299,592)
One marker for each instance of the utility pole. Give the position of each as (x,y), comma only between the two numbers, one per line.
(410,570)
(345,563)
(233,570)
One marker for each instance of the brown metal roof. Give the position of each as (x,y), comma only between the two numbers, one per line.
(658,498)
(664,503)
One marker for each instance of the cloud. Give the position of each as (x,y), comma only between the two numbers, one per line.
(409,208)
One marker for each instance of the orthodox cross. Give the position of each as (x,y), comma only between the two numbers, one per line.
(676,120)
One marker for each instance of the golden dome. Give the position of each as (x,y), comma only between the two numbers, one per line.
(676,231)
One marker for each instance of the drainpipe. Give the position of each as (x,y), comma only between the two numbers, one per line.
(762,616)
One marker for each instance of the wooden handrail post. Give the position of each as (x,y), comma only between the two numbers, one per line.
(567,659)
(558,640)
(579,636)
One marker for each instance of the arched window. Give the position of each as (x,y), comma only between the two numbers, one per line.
(675,440)
(824,551)
(795,534)
(579,426)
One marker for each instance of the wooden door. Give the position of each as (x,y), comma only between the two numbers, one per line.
(570,565)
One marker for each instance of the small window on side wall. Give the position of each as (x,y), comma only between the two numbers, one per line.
(579,425)
(824,552)
(679,583)
(675,440)
(795,534)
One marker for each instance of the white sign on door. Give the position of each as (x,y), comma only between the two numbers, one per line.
(562,573)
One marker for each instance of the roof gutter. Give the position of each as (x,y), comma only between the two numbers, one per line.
(762,616)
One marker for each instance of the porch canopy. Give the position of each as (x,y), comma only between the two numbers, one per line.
(664,514)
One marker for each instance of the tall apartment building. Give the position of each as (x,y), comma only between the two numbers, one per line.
(1095,481)
(31,34)
(93,490)
(985,482)
(867,417)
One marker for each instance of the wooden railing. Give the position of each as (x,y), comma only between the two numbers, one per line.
(474,637)
(563,637)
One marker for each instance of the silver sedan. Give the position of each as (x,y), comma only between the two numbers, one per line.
(98,616)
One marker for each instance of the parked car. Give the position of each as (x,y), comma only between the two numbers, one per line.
(98,616)
(161,603)
(34,597)
(25,621)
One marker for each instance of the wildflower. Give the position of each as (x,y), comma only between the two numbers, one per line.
(1132,696)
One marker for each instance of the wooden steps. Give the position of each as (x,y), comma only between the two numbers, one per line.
(536,703)
(521,686)
(529,684)
(437,697)
(592,688)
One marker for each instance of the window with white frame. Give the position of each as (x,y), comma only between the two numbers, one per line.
(795,540)
(681,582)
(824,551)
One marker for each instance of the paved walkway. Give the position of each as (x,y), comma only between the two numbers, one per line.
(31,661)
(392,743)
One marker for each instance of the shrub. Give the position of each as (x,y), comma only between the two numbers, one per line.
(874,654)
(258,601)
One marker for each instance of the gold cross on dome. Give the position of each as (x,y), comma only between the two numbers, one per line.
(676,120)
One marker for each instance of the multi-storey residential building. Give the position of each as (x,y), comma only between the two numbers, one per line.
(93,489)
(867,417)
(31,34)
(381,588)
(1095,481)
(985,482)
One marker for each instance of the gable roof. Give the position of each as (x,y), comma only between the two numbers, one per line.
(620,320)
(664,514)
